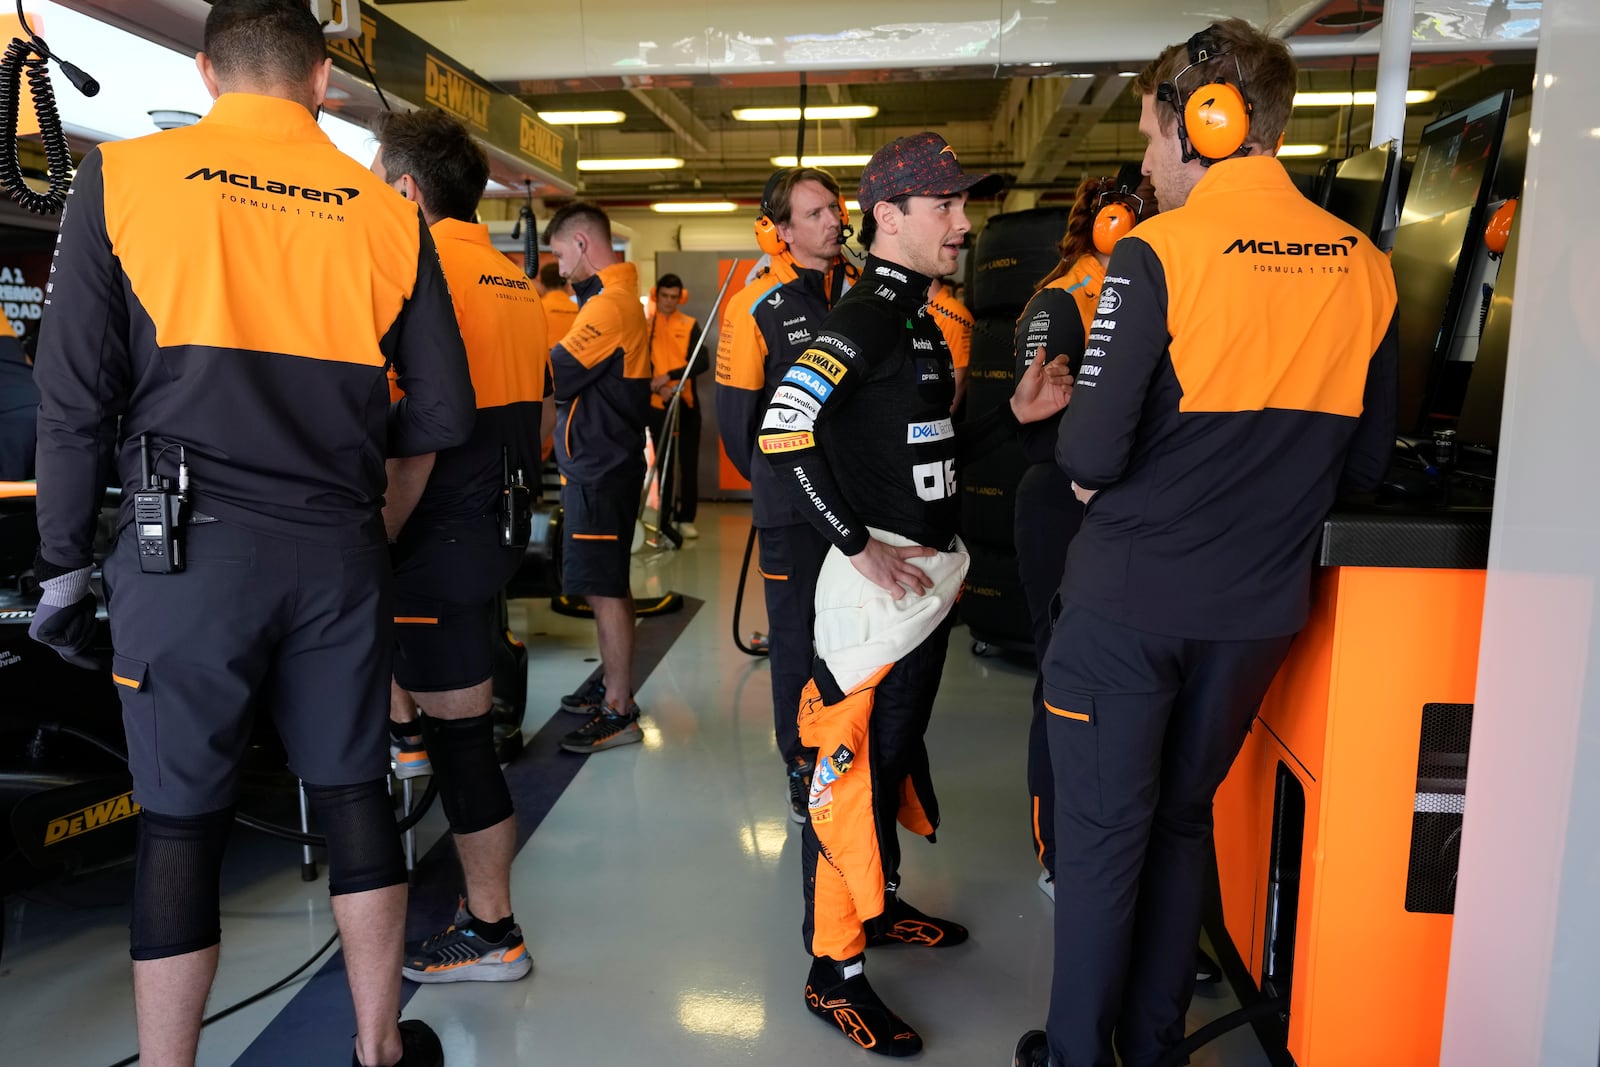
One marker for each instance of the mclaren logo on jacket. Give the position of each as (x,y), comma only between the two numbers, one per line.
(1341,247)
(270,185)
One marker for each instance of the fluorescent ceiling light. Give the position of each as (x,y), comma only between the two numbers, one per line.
(657,163)
(1363,98)
(583,118)
(1127,74)
(792,114)
(694,207)
(852,205)
(822,161)
(1301,150)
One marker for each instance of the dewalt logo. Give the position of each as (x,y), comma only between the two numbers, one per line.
(503,282)
(276,188)
(94,817)
(364,47)
(449,90)
(1254,247)
(540,143)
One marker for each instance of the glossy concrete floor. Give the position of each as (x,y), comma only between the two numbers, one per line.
(660,894)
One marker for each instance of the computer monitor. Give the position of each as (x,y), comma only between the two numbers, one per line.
(1436,245)
(1359,191)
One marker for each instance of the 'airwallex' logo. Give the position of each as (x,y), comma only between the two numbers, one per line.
(1341,247)
(277,188)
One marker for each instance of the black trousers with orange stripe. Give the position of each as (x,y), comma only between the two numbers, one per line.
(1143,729)
(1047,518)
(790,560)
(902,705)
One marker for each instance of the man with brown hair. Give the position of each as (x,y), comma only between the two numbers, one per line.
(1208,456)
(271,431)
(766,326)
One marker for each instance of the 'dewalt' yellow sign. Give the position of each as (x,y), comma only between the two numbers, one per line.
(541,143)
(364,47)
(449,90)
(94,817)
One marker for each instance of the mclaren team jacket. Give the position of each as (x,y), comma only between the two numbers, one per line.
(502,323)
(859,431)
(19,408)
(956,323)
(672,338)
(766,326)
(1054,323)
(238,288)
(560,311)
(602,378)
(1247,367)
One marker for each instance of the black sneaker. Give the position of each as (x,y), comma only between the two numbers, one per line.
(799,790)
(1206,971)
(852,1006)
(458,954)
(419,1046)
(901,924)
(588,700)
(608,729)
(1032,1051)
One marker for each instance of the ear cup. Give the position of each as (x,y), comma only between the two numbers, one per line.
(1217,119)
(1498,233)
(767,236)
(1110,224)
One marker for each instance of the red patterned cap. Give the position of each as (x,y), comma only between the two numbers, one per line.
(923,164)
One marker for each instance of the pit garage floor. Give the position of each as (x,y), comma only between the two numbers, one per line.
(659,886)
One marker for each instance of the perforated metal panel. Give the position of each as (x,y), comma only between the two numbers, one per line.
(1437,813)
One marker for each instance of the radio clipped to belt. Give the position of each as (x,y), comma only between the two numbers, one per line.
(516,505)
(158,513)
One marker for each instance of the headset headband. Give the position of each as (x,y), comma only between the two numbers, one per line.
(1214,120)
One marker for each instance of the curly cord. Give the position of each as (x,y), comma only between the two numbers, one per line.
(19,55)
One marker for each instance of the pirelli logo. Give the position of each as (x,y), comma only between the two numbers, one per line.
(787,442)
(540,143)
(94,817)
(451,91)
(823,364)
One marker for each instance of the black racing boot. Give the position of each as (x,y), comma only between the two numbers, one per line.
(1032,1051)
(419,1046)
(901,924)
(839,993)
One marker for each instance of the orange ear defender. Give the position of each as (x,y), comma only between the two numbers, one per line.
(766,229)
(1214,120)
(1498,233)
(1111,224)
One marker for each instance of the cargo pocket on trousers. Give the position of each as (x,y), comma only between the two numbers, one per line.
(1074,737)
(132,678)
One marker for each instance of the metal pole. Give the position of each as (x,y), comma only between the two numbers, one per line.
(1394,72)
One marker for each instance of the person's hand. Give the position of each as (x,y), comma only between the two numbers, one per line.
(65,620)
(1083,495)
(658,381)
(1043,389)
(886,566)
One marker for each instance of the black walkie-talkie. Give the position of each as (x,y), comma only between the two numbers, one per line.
(158,515)
(516,505)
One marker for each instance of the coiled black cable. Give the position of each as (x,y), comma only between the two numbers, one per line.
(738,598)
(32,55)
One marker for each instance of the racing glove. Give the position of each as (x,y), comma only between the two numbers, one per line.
(64,619)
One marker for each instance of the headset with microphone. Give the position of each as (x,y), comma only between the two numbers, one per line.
(767,226)
(1214,119)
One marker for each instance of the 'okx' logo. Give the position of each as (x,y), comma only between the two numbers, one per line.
(277,188)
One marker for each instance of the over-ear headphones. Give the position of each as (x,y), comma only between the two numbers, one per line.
(1213,120)
(1116,212)
(767,227)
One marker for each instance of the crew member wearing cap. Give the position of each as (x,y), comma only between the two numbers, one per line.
(19,408)
(766,326)
(864,444)
(601,369)
(451,559)
(673,336)
(1208,435)
(955,322)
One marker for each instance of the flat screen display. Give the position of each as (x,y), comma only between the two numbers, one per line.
(1435,245)
(1358,192)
